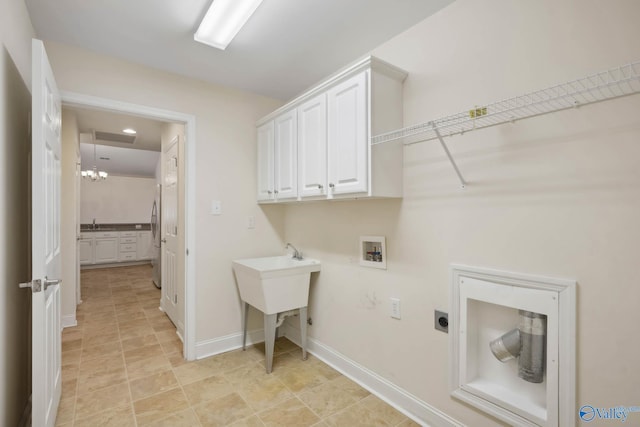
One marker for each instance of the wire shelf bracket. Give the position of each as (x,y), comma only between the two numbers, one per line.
(610,84)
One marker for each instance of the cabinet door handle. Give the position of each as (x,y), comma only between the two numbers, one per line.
(320,187)
(163,240)
(269,191)
(332,186)
(276,191)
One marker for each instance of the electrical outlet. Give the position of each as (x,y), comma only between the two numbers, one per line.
(251,222)
(441,321)
(395,308)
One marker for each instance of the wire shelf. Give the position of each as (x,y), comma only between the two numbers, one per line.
(614,83)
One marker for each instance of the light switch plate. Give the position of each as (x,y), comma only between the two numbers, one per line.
(395,308)
(216,207)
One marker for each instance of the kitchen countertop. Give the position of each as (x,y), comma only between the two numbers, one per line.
(114,227)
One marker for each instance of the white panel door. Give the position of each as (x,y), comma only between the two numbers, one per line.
(348,136)
(169,225)
(82,256)
(266,158)
(45,214)
(312,147)
(286,155)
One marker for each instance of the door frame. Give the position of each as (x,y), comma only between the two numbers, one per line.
(81,100)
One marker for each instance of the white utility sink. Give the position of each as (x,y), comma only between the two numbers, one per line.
(275,284)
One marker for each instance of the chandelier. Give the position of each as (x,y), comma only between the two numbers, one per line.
(94,174)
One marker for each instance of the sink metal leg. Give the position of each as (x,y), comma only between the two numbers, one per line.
(303,331)
(245,317)
(270,321)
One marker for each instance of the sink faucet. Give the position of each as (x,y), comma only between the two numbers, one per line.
(296,254)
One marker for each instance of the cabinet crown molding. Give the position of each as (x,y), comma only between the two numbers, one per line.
(369,62)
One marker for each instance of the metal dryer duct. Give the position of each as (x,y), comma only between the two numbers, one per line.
(527,343)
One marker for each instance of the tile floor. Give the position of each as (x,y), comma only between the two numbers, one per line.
(123,366)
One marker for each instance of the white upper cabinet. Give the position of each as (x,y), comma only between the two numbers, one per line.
(317,146)
(312,147)
(348,136)
(266,159)
(286,156)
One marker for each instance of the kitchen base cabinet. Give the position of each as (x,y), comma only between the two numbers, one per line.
(127,250)
(85,249)
(106,249)
(113,247)
(143,245)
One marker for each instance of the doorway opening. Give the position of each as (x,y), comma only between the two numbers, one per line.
(175,129)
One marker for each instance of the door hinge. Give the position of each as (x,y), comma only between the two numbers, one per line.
(175,299)
(187,252)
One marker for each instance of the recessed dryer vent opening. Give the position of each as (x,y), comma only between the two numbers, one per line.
(512,338)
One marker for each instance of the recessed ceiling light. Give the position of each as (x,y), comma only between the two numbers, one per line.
(223,20)
(129,131)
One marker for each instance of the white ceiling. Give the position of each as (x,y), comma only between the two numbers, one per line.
(138,159)
(120,161)
(147,138)
(287,46)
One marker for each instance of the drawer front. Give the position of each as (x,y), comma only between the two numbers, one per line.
(105,234)
(127,256)
(127,240)
(128,247)
(127,234)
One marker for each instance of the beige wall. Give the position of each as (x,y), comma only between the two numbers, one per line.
(117,200)
(68,224)
(15,103)
(556,195)
(225,167)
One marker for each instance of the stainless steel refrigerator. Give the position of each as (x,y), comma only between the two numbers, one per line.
(156,256)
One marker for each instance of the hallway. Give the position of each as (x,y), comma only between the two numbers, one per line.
(122,366)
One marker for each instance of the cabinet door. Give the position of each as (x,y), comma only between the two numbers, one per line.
(86,251)
(286,164)
(312,147)
(265,162)
(144,245)
(106,250)
(348,136)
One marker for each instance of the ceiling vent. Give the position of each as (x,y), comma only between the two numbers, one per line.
(114,137)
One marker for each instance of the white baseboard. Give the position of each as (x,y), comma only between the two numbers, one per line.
(68,321)
(227,343)
(414,408)
(114,264)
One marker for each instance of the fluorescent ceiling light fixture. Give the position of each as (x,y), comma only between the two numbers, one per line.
(223,21)
(129,131)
